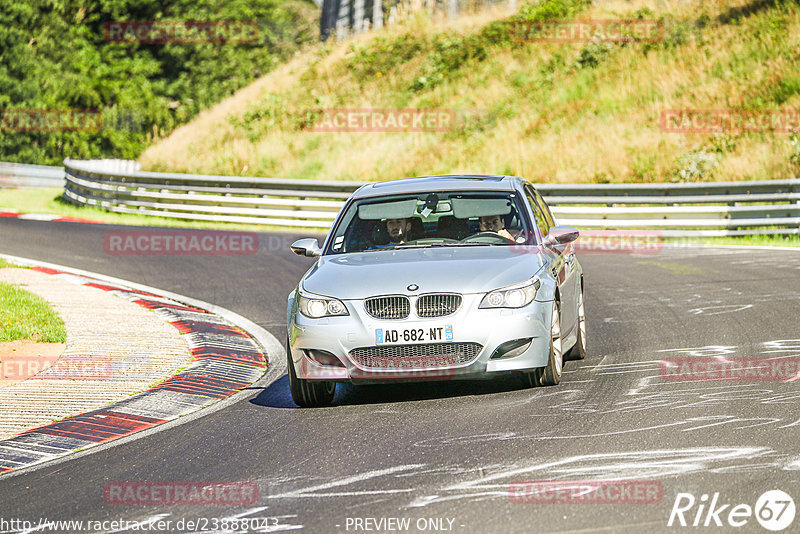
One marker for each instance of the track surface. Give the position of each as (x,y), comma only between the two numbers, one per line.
(449,451)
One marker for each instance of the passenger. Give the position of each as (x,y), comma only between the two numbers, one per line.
(494,223)
(398,230)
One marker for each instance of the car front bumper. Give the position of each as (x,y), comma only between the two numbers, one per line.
(488,328)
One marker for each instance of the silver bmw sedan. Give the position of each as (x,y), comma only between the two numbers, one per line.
(436,278)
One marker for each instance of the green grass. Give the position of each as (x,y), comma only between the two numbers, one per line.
(5,263)
(24,315)
(48,200)
(754,240)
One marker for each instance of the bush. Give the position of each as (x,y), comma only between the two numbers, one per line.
(592,54)
(382,55)
(53,55)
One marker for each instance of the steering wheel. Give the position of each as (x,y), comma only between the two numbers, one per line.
(482,237)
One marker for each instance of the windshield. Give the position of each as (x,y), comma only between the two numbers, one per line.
(440,219)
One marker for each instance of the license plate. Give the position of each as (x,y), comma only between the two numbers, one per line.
(427,334)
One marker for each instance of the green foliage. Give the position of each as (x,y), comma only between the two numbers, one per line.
(786,88)
(592,54)
(451,52)
(260,118)
(552,9)
(382,54)
(54,55)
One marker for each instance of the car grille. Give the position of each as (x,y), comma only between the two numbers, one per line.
(438,305)
(390,307)
(423,355)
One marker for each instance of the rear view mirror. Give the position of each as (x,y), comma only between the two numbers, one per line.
(308,247)
(560,235)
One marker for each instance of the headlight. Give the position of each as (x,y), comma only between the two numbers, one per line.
(515,296)
(314,306)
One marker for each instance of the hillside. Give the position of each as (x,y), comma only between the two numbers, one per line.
(552,112)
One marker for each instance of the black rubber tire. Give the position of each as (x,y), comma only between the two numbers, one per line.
(551,374)
(308,393)
(578,351)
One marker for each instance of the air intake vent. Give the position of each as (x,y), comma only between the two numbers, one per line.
(422,356)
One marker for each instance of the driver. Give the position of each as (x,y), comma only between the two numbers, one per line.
(398,230)
(495,223)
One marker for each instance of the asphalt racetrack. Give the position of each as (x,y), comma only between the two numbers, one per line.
(445,456)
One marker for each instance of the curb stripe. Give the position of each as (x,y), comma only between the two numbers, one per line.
(225,360)
(47,217)
(206,328)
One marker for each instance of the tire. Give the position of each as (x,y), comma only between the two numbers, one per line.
(308,393)
(578,351)
(551,374)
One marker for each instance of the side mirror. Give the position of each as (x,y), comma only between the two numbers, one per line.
(560,235)
(308,247)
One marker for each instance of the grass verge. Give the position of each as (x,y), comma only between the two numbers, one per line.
(24,315)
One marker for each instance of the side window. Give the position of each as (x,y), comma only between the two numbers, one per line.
(546,210)
(541,220)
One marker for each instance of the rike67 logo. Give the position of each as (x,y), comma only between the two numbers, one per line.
(774,510)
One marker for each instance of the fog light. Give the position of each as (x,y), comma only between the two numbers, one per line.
(323,357)
(509,349)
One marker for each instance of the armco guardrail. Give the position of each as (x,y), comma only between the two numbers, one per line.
(22,175)
(686,209)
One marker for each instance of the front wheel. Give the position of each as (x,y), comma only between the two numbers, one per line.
(578,351)
(308,393)
(551,374)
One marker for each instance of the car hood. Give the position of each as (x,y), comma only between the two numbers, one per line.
(477,269)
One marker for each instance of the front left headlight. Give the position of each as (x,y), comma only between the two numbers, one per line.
(515,296)
(315,306)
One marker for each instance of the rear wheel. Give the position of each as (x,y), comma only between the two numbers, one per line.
(550,375)
(578,351)
(308,393)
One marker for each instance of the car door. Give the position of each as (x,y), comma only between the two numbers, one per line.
(563,265)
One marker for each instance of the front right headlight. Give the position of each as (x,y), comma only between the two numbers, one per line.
(315,306)
(515,296)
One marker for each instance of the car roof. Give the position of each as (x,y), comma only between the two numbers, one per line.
(448,182)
